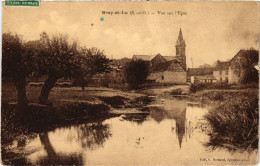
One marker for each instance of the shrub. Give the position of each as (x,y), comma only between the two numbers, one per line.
(245,86)
(200,86)
(196,87)
(235,122)
(216,96)
(218,86)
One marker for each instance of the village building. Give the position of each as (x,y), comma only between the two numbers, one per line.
(201,75)
(252,56)
(168,72)
(221,72)
(167,69)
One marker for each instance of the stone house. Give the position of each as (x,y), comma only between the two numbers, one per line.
(205,79)
(168,72)
(158,59)
(221,72)
(167,69)
(201,75)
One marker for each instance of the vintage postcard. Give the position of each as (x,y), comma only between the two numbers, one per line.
(130,83)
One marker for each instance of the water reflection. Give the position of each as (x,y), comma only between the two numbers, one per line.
(93,135)
(170,134)
(174,109)
(54,158)
(65,146)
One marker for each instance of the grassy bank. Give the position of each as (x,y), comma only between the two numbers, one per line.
(18,123)
(233,116)
(70,105)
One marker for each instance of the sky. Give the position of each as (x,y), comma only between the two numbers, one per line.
(212,30)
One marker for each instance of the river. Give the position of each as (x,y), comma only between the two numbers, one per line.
(174,132)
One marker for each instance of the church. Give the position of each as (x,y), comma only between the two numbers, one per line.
(167,69)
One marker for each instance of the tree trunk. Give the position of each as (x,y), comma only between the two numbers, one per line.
(47,146)
(20,85)
(46,89)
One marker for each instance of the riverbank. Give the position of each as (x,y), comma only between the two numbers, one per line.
(233,115)
(70,105)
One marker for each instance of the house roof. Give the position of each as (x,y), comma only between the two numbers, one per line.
(158,56)
(221,66)
(169,58)
(143,57)
(200,71)
(253,54)
(150,57)
(163,66)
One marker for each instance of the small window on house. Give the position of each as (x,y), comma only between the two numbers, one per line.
(220,72)
(162,77)
(226,79)
(220,79)
(227,72)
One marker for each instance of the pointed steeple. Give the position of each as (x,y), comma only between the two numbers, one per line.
(180,40)
(180,50)
(180,35)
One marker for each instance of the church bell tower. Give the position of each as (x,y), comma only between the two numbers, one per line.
(180,50)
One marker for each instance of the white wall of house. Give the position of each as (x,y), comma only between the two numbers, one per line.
(171,77)
(221,75)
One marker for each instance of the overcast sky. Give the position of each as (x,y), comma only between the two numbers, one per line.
(212,30)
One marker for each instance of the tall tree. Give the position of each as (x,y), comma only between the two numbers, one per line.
(16,64)
(136,73)
(92,61)
(57,58)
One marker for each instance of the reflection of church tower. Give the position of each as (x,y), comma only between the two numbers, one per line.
(180,50)
(180,126)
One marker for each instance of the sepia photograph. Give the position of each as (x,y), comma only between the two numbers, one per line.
(130,83)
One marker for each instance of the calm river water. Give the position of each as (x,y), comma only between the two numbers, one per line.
(174,132)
